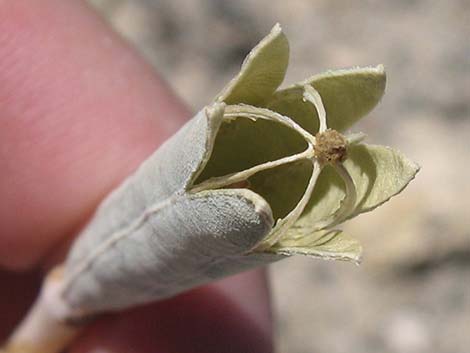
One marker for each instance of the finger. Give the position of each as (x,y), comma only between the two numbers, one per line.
(17,292)
(212,319)
(79,111)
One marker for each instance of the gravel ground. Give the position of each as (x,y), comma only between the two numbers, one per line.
(412,293)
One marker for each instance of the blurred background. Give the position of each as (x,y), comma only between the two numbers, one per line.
(412,292)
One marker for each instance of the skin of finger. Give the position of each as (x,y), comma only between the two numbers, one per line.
(18,290)
(205,320)
(79,111)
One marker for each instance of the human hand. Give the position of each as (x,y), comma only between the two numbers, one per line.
(79,110)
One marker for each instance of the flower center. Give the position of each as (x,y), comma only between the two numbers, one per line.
(330,147)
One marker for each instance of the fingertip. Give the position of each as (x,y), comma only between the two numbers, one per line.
(205,320)
(80,110)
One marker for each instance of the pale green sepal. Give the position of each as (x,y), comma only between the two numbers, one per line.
(325,200)
(347,95)
(285,223)
(261,73)
(327,245)
(378,173)
(250,137)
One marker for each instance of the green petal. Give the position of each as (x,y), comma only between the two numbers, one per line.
(328,245)
(347,95)
(262,71)
(378,172)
